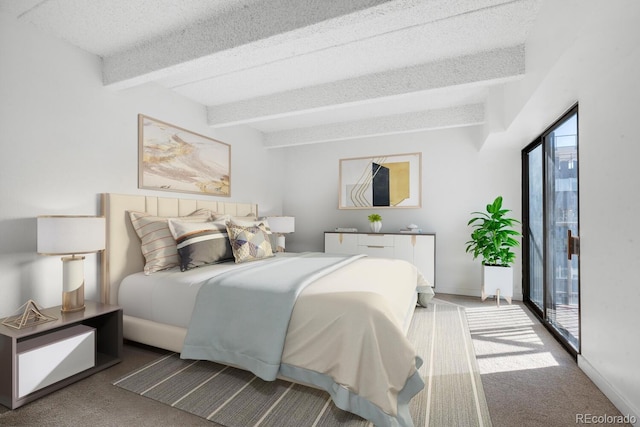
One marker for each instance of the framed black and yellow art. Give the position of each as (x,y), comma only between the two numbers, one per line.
(388,181)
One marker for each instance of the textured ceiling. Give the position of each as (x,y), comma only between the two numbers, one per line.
(304,71)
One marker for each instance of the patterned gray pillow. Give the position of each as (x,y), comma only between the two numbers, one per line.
(249,243)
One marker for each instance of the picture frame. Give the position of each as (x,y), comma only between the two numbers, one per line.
(381,182)
(171,158)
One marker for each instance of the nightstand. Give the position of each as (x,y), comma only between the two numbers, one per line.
(37,360)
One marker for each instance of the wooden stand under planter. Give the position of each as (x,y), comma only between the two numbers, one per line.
(498,281)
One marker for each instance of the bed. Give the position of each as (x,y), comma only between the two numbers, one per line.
(345,331)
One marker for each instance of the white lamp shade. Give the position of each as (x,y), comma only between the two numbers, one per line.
(68,235)
(282,224)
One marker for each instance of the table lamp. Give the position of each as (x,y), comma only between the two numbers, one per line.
(71,235)
(281,225)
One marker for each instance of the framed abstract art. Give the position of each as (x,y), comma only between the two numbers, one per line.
(171,158)
(389,181)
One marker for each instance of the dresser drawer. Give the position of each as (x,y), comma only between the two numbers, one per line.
(341,243)
(376,251)
(384,240)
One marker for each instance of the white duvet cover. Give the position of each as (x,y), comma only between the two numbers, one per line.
(169,296)
(349,325)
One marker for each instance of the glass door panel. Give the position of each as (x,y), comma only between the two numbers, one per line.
(536,228)
(562,305)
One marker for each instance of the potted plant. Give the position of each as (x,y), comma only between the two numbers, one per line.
(375,222)
(493,239)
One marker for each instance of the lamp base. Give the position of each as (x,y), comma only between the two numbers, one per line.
(280,242)
(72,284)
(73,301)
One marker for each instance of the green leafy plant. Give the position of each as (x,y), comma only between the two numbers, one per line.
(493,236)
(374,218)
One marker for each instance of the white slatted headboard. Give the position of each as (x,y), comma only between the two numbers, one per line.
(123,255)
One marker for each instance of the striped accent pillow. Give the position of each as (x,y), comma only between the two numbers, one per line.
(157,244)
(201,243)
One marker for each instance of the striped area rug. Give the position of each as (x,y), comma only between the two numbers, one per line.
(453,394)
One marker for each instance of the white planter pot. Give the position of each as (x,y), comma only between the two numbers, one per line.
(498,281)
(375,226)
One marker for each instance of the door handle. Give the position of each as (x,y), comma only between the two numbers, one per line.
(573,245)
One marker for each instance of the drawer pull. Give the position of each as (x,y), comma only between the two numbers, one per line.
(376,247)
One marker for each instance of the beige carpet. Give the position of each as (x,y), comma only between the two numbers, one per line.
(529,379)
(453,394)
(531,396)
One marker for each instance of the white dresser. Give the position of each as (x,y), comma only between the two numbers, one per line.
(418,249)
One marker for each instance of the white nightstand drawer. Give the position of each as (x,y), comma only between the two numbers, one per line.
(375,240)
(50,358)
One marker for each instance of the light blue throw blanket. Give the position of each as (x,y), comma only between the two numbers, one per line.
(241,317)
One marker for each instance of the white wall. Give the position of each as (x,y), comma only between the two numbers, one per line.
(609,206)
(456,180)
(65,139)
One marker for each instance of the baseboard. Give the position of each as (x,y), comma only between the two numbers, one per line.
(468,292)
(619,401)
(457,291)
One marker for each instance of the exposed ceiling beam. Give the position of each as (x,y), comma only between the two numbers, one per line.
(465,115)
(247,24)
(494,66)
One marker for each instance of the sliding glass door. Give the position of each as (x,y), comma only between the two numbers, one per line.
(551,269)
